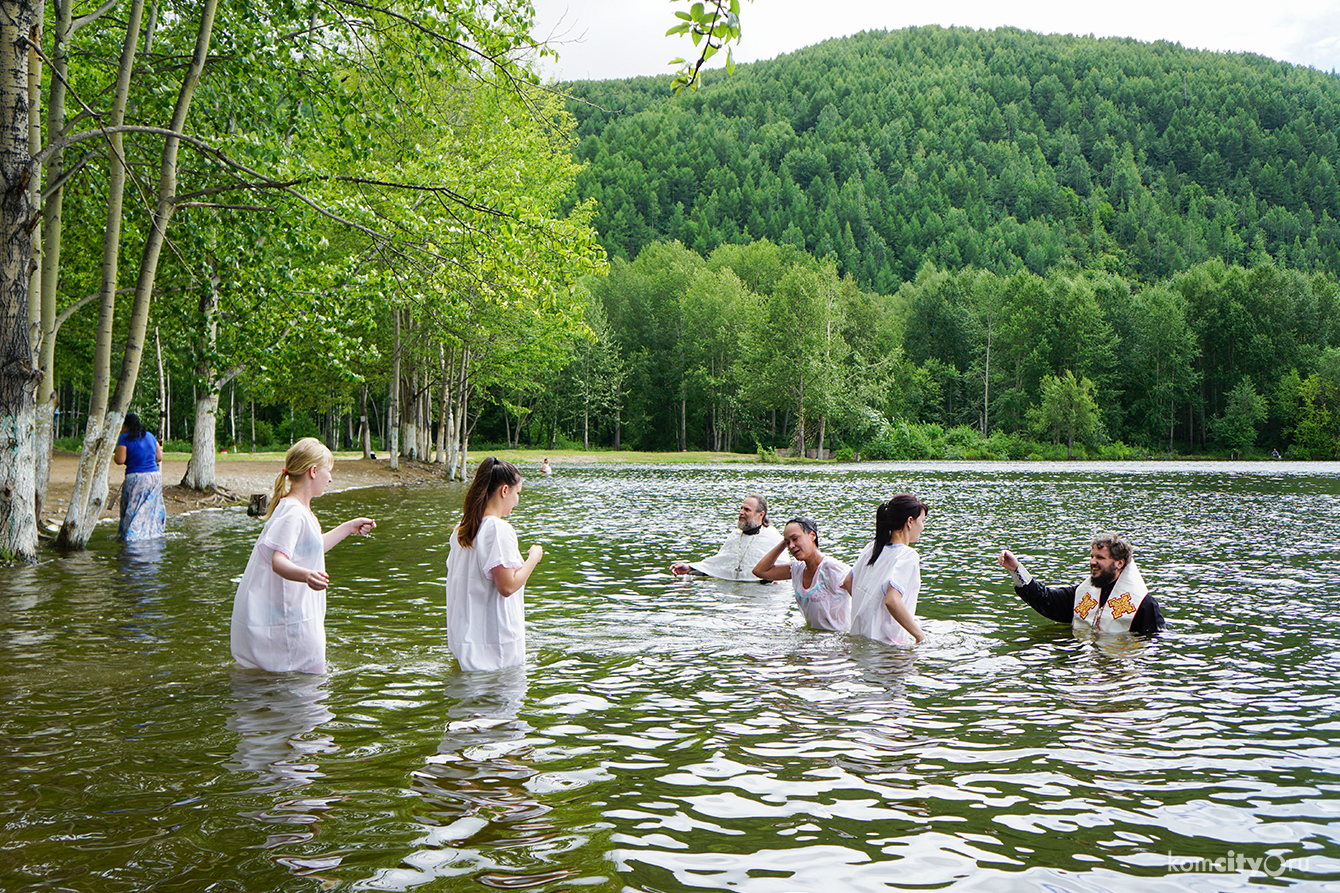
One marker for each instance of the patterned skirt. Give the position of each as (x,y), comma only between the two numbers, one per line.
(143,515)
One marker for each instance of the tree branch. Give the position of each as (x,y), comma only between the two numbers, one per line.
(91,17)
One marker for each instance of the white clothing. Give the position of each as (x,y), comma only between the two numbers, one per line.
(898,566)
(485,630)
(826,605)
(1116,615)
(280,625)
(738,555)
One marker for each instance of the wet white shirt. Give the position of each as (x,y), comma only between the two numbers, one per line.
(485,630)
(898,566)
(826,605)
(280,625)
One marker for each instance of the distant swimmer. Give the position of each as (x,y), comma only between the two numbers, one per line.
(816,578)
(544,467)
(753,538)
(1113,598)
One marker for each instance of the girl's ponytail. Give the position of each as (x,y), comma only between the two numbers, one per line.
(301,458)
(893,516)
(883,528)
(491,475)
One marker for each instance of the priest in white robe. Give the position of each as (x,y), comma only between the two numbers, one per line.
(1112,599)
(753,538)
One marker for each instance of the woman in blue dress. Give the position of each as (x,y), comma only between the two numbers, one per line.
(143,515)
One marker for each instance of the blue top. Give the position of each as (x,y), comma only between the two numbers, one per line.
(141,453)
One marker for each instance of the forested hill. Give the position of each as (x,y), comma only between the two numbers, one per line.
(999,149)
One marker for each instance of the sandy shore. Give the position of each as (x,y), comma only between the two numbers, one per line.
(237,476)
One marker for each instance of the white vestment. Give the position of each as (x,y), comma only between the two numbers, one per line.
(485,629)
(739,553)
(1116,615)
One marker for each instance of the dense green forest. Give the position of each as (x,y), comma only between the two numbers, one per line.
(973,241)
(932,242)
(1003,150)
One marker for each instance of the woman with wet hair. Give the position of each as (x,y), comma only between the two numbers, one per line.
(815,577)
(486,575)
(886,579)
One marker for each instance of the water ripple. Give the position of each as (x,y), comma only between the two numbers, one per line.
(674,734)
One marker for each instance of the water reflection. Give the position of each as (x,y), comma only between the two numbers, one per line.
(480,816)
(274,715)
(676,735)
(140,560)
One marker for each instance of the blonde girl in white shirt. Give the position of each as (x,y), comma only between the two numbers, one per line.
(279,612)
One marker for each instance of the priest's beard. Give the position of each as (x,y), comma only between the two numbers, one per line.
(1105,580)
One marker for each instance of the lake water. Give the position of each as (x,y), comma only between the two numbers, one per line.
(674,735)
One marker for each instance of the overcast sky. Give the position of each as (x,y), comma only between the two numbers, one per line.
(624,38)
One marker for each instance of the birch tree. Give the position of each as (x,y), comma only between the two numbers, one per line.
(18,373)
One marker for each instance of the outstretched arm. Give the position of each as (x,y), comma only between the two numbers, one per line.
(360,526)
(768,568)
(1053,602)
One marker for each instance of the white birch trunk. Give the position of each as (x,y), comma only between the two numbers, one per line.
(462,407)
(364,429)
(800,419)
(18,372)
(453,433)
(440,453)
(201,467)
(425,401)
(44,441)
(409,433)
(39,312)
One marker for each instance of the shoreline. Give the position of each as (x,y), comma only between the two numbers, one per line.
(236,477)
(239,475)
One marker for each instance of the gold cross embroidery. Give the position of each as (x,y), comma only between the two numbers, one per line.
(1121,605)
(1086,605)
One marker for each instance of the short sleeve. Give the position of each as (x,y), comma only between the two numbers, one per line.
(904,571)
(835,572)
(496,546)
(283,531)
